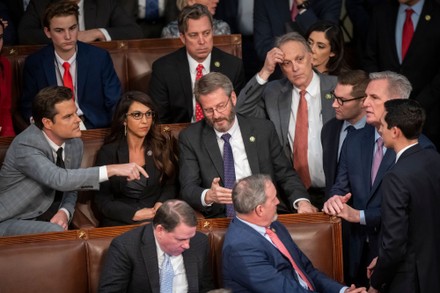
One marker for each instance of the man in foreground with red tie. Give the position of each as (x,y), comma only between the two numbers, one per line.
(258,253)
(87,70)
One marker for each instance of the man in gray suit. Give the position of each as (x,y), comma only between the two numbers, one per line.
(279,101)
(36,193)
(137,261)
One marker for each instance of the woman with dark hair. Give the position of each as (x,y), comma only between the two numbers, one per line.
(6,127)
(327,43)
(136,137)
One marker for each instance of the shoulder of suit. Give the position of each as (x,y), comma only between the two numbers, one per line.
(218,53)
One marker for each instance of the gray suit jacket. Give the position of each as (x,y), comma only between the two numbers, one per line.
(29,176)
(201,161)
(274,100)
(131,264)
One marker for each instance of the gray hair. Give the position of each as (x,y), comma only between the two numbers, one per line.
(399,86)
(250,192)
(292,37)
(211,82)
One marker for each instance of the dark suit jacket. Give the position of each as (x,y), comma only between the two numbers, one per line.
(171,86)
(421,64)
(29,176)
(271,17)
(252,264)
(131,264)
(106,14)
(201,161)
(354,175)
(117,199)
(330,145)
(98,86)
(409,258)
(274,101)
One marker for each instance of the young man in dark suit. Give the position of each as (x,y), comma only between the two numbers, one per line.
(409,258)
(93,79)
(174,75)
(258,253)
(40,175)
(253,145)
(136,261)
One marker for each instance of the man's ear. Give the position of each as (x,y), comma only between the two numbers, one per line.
(182,38)
(47,32)
(47,123)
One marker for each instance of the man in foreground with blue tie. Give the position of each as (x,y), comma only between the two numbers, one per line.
(258,253)
(224,147)
(166,256)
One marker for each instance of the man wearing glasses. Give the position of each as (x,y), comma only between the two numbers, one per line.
(348,98)
(363,162)
(298,105)
(225,147)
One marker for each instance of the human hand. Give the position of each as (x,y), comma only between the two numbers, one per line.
(92,35)
(305,207)
(334,205)
(60,218)
(218,194)
(372,290)
(273,57)
(370,268)
(144,214)
(130,170)
(353,289)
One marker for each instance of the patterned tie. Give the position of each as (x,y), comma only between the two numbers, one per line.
(199,74)
(166,275)
(229,170)
(378,155)
(280,246)
(300,142)
(293,11)
(151,9)
(67,78)
(408,32)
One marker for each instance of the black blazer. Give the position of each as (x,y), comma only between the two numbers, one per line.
(201,161)
(107,14)
(171,86)
(116,201)
(131,264)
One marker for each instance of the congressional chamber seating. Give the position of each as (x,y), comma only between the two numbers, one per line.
(71,261)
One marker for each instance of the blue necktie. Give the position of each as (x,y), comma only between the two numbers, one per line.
(151,9)
(166,275)
(229,170)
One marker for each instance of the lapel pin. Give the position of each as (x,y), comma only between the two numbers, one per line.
(428,17)
(217,64)
(328,96)
(252,139)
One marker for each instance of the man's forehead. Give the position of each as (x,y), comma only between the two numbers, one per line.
(197,25)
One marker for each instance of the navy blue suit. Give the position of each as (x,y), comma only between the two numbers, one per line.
(98,87)
(354,175)
(252,264)
(271,17)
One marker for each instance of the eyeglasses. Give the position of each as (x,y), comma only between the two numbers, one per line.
(341,101)
(220,108)
(137,115)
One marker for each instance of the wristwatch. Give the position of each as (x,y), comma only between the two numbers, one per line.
(303,5)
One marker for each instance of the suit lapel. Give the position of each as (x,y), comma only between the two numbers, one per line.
(327,110)
(49,69)
(422,30)
(250,141)
(367,156)
(284,109)
(390,31)
(82,65)
(387,162)
(210,141)
(192,274)
(182,67)
(149,255)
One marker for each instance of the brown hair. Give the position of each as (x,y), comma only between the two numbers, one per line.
(60,8)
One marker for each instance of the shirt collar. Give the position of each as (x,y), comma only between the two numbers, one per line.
(53,145)
(231,131)
(403,150)
(193,63)
(313,86)
(358,125)
(416,7)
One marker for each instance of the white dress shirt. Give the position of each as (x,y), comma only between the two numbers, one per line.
(193,71)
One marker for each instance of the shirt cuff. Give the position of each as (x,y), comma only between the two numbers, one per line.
(67,213)
(260,80)
(295,203)
(103,174)
(106,34)
(343,289)
(202,198)
(362,220)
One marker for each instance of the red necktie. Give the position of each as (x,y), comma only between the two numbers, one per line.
(280,246)
(301,140)
(408,32)
(199,112)
(67,78)
(293,11)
